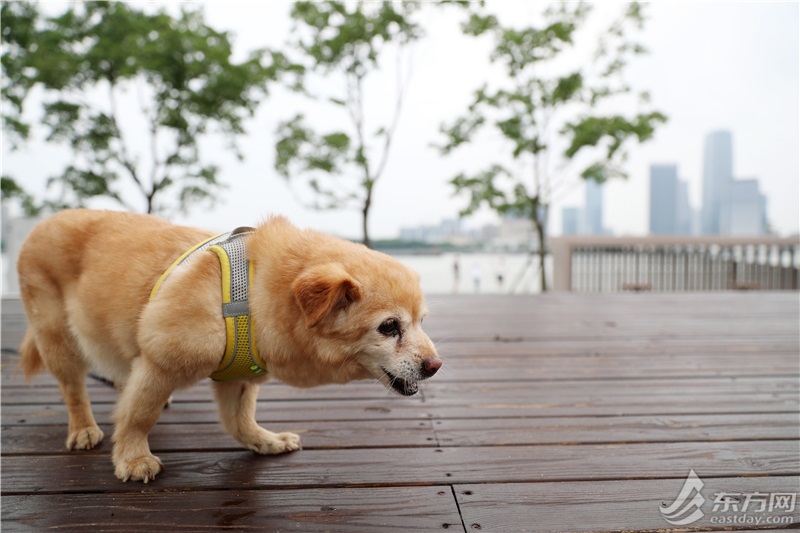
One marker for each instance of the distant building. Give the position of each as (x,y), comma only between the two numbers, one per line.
(514,232)
(446,231)
(594,209)
(747,209)
(571,221)
(685,215)
(717,178)
(670,210)
(589,220)
(663,199)
(730,207)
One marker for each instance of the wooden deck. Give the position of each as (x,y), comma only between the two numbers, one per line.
(562,412)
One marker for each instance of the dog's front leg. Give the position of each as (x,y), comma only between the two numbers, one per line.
(237,409)
(143,397)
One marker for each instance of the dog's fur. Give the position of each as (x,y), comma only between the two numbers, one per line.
(320,307)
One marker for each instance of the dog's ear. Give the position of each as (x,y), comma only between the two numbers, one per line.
(323,289)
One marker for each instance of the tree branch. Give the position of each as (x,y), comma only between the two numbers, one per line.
(122,158)
(402,86)
(356,109)
(152,119)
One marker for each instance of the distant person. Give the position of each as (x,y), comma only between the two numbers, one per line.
(500,274)
(456,274)
(476,276)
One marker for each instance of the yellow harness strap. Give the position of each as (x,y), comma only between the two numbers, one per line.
(241,359)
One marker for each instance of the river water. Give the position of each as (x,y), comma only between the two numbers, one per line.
(477,272)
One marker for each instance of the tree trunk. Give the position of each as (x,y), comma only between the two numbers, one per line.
(540,232)
(364,216)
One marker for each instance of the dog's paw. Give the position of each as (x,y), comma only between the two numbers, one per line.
(291,440)
(268,443)
(84,438)
(143,468)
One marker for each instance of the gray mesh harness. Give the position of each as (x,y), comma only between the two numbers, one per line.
(241,359)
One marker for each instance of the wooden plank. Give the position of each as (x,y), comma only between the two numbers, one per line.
(580,316)
(470,401)
(270,413)
(509,346)
(99,393)
(49,440)
(342,509)
(92,472)
(487,368)
(627,429)
(687,303)
(286,414)
(615,505)
(596,391)
(498,367)
(642,347)
(494,390)
(523,330)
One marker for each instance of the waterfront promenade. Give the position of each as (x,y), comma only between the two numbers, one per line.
(556,412)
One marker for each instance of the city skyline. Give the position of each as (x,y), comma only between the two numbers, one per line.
(729,206)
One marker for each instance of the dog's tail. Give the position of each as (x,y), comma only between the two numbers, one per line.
(30,359)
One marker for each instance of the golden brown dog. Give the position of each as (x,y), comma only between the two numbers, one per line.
(324,311)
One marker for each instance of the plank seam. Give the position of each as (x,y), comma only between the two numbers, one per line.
(143,489)
(458,508)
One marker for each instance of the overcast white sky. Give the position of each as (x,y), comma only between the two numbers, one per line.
(711,66)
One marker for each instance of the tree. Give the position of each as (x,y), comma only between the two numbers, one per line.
(10,189)
(345,41)
(550,122)
(185,83)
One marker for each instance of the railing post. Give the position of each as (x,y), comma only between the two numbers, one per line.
(562,264)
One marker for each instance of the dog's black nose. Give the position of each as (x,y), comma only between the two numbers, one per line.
(430,366)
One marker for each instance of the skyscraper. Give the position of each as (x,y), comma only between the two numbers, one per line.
(663,199)
(717,177)
(684,214)
(594,208)
(747,208)
(571,221)
(670,211)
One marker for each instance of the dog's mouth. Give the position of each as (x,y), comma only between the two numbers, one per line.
(398,384)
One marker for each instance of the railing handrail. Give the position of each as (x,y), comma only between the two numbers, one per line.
(722,240)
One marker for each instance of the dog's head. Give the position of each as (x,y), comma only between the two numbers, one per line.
(368,308)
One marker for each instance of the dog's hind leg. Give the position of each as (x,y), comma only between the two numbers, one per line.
(57,350)
(237,409)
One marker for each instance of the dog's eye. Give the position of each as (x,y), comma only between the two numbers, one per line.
(390,328)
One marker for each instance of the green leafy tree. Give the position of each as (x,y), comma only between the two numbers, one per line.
(90,60)
(552,121)
(345,41)
(10,189)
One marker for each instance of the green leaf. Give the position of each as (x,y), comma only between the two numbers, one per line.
(337,141)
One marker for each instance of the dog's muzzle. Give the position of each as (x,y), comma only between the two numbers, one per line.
(406,387)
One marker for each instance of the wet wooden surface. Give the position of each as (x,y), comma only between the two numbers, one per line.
(562,412)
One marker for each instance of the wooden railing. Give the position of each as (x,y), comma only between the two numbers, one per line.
(679,263)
